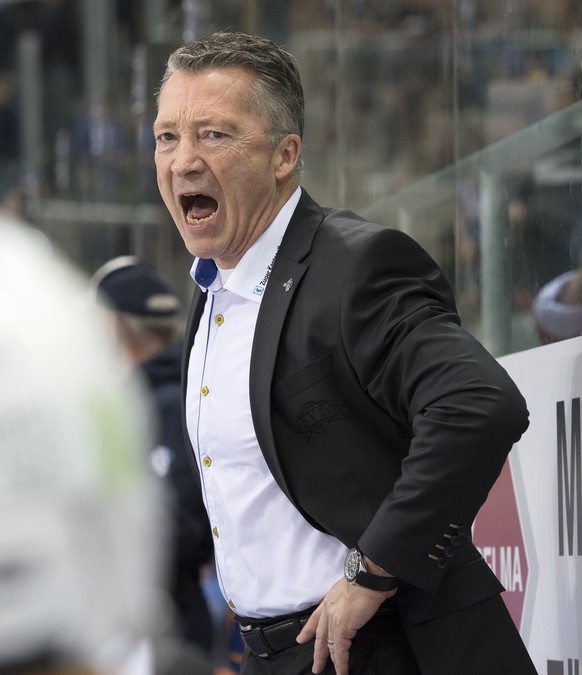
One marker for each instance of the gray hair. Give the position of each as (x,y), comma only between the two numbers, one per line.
(277,92)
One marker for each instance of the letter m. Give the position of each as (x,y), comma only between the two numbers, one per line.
(569,478)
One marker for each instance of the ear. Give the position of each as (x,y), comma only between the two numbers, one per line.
(287,156)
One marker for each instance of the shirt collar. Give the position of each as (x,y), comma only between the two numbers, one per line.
(251,275)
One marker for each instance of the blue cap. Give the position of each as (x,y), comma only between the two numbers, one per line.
(132,286)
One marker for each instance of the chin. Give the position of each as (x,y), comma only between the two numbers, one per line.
(193,247)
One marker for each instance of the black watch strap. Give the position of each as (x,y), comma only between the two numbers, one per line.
(376,582)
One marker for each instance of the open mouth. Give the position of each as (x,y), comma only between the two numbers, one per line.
(198,208)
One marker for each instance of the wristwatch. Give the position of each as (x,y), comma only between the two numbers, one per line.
(356,572)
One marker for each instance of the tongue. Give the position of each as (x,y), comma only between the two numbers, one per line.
(202,206)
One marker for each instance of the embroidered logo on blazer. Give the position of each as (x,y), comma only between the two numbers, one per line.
(315,417)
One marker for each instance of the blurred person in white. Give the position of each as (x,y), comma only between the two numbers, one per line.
(83,523)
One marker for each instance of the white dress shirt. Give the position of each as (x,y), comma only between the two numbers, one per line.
(269,559)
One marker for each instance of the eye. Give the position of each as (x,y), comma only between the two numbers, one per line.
(216,135)
(165,136)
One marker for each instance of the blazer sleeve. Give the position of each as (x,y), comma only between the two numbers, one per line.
(403,337)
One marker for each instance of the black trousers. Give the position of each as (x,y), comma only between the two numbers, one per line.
(379,648)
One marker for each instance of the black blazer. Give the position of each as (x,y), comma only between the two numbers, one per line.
(384,422)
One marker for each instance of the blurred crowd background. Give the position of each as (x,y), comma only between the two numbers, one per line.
(454,119)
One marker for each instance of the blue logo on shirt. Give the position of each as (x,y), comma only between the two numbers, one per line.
(259,290)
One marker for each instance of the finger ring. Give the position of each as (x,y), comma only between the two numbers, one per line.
(329,643)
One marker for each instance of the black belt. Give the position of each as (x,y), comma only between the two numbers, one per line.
(267,637)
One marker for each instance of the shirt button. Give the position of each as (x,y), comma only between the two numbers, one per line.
(215,532)
(219,319)
(205,391)
(207,461)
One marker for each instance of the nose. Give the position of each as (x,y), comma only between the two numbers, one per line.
(187,158)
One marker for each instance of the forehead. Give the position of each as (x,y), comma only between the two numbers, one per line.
(210,88)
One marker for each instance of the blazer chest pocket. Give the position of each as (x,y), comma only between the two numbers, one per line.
(310,399)
(309,375)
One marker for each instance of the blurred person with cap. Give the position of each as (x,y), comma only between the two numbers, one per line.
(145,314)
(83,535)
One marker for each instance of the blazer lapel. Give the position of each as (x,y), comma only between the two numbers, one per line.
(194,315)
(288,270)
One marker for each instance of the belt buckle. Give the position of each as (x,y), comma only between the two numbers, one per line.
(254,640)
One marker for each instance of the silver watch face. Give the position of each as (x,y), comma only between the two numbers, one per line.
(352,564)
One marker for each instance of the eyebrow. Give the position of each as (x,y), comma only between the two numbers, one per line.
(162,123)
(222,122)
